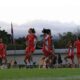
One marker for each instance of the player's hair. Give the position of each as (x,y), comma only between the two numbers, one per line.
(48,31)
(44,31)
(33,30)
(30,29)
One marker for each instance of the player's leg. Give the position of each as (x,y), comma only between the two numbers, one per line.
(26,60)
(45,62)
(30,56)
(72,61)
(41,62)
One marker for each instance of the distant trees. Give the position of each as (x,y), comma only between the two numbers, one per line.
(20,40)
(64,39)
(6,37)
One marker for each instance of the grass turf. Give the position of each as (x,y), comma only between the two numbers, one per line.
(31,74)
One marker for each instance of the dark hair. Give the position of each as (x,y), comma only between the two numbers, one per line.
(33,30)
(47,31)
(44,31)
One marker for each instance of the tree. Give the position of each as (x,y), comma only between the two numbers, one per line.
(64,39)
(5,36)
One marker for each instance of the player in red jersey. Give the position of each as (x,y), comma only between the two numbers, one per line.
(47,47)
(47,43)
(2,51)
(30,45)
(77,44)
(70,52)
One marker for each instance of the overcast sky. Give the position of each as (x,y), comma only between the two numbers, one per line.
(22,11)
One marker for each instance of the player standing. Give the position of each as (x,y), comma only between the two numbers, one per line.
(70,52)
(30,45)
(47,46)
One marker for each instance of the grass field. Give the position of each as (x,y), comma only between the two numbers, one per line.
(40,74)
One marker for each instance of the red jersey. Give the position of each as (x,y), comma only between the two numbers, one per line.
(30,39)
(2,50)
(77,44)
(47,45)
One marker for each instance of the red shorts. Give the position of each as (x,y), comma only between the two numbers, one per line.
(29,51)
(47,52)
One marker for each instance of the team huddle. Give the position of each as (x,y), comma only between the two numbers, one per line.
(47,49)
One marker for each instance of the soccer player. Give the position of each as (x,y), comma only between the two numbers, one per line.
(30,45)
(2,52)
(47,46)
(70,52)
(77,44)
(47,43)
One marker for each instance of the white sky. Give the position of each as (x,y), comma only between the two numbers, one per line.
(22,11)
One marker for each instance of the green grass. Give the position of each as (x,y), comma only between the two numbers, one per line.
(31,74)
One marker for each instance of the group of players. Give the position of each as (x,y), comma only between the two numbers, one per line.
(47,48)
